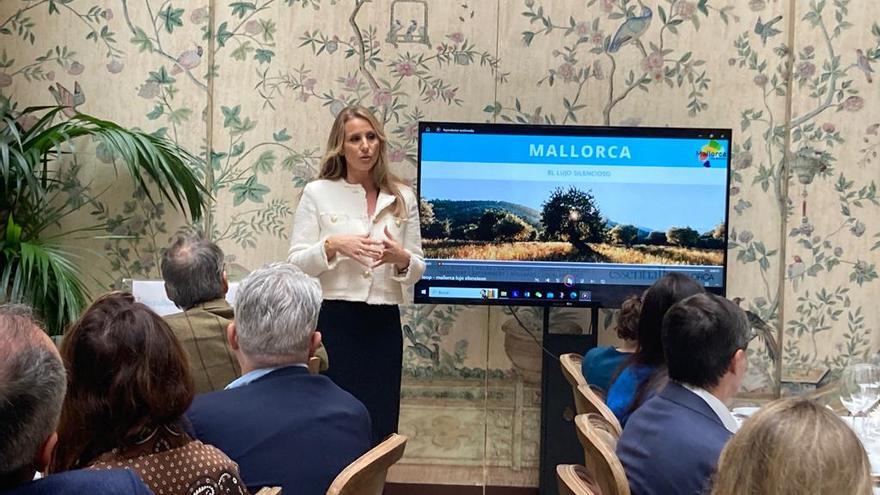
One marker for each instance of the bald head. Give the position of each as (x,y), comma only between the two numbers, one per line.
(32,387)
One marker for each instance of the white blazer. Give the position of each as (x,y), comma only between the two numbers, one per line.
(333,207)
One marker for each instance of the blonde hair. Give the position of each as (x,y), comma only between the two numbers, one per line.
(792,447)
(333,164)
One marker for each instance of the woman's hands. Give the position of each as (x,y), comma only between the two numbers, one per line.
(360,248)
(367,251)
(393,252)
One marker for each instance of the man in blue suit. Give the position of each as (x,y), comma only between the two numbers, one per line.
(32,387)
(283,426)
(671,444)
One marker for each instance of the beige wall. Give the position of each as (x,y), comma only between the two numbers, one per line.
(281,69)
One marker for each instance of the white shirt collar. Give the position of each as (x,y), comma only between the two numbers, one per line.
(717,407)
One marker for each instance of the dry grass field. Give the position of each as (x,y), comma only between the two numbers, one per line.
(563,251)
(665,255)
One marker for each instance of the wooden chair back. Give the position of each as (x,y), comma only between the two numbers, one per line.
(597,437)
(575,480)
(591,402)
(572,371)
(314,365)
(269,490)
(366,475)
(571,368)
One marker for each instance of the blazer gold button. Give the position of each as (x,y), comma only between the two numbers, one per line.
(366,273)
(397,222)
(333,218)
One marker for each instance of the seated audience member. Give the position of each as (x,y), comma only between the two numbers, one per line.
(671,443)
(195,281)
(129,386)
(32,385)
(283,426)
(600,363)
(803,448)
(644,372)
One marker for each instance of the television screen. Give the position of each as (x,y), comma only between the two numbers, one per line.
(568,215)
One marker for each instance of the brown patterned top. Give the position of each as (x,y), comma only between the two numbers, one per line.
(172,463)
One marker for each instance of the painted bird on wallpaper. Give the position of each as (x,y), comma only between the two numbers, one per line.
(864,63)
(766,30)
(631,29)
(795,271)
(396,26)
(69,101)
(411,30)
(187,60)
(762,330)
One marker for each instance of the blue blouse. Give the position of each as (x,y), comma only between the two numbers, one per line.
(600,363)
(623,390)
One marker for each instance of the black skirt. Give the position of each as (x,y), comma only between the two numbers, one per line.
(364,344)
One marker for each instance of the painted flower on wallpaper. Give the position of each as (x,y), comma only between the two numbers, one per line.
(806,70)
(382,98)
(76,69)
(653,63)
(684,9)
(857,229)
(853,103)
(115,66)
(405,69)
(411,131)
(199,15)
(253,27)
(397,155)
(566,72)
(352,83)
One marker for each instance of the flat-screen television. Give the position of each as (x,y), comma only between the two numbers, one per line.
(568,215)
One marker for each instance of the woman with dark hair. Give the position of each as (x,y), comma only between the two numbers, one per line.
(357,230)
(600,363)
(645,371)
(128,385)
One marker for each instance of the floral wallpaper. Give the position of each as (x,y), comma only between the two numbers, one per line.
(252,86)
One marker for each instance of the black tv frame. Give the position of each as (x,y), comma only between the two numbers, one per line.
(613,294)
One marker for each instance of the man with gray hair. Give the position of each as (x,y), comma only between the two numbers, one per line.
(196,282)
(32,387)
(283,426)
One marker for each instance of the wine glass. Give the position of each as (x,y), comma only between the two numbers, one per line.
(859,389)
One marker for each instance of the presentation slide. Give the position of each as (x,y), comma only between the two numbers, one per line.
(572,211)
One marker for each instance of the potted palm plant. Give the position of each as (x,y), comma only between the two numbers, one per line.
(35,266)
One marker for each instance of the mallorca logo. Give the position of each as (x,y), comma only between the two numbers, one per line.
(712,149)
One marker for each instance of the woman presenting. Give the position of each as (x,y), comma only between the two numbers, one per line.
(357,229)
